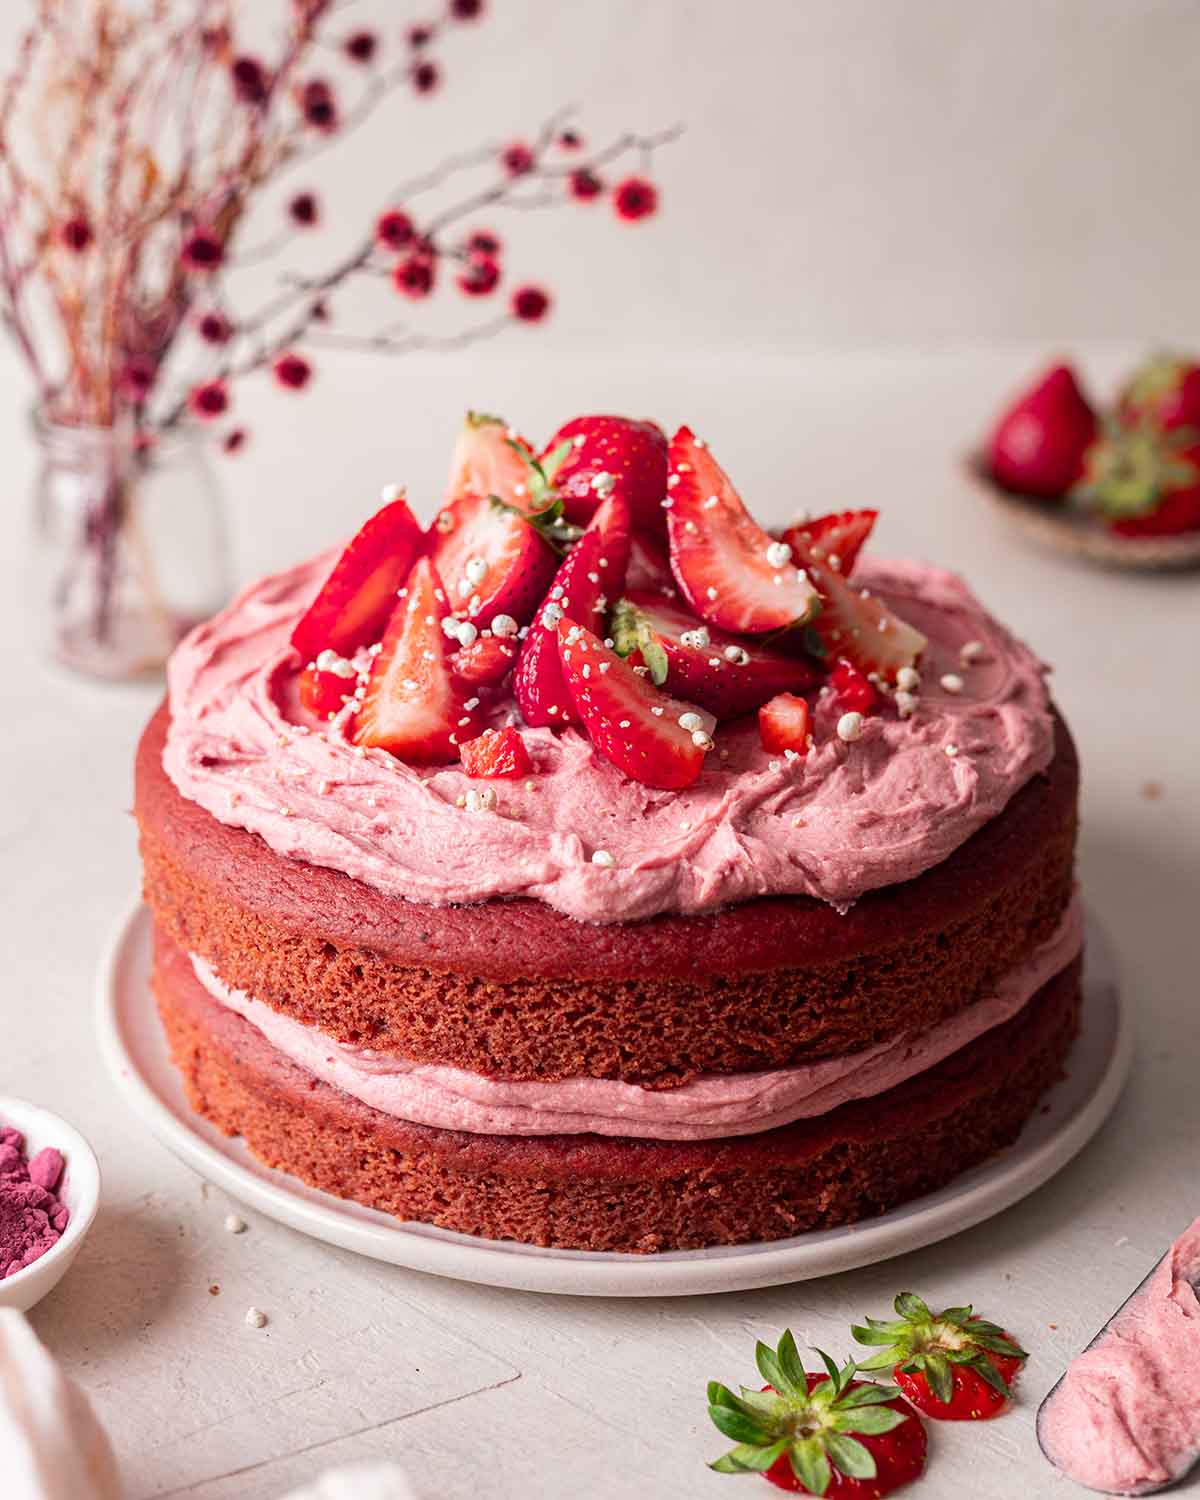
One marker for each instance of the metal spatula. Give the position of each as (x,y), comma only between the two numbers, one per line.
(1147,1489)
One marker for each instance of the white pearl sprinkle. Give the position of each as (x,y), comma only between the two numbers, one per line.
(476,570)
(481,799)
(603,483)
(690,721)
(951,751)
(390,492)
(698,637)
(256,1318)
(603,858)
(909,679)
(850,726)
(467,633)
(551,615)
(702,740)
(952,683)
(234,1224)
(737,654)
(711,592)
(971,651)
(504,625)
(906,703)
(779,554)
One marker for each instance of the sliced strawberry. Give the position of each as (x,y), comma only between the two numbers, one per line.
(649,566)
(821,1434)
(356,599)
(413,706)
(326,683)
(854,692)
(699,662)
(653,738)
(486,662)
(950,1364)
(784,724)
(853,624)
(497,752)
(731,572)
(491,559)
(590,458)
(584,586)
(840,536)
(490,459)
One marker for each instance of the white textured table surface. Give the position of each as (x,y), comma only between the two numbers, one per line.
(509,1395)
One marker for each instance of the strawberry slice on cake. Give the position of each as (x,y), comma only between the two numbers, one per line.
(492,559)
(490,458)
(591,458)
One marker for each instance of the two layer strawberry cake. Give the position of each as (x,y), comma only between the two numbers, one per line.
(594,868)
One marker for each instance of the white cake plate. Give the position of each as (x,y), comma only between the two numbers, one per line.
(135,1051)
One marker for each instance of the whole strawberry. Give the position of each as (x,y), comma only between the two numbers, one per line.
(1143,482)
(1163,393)
(1037,447)
(824,1434)
(950,1364)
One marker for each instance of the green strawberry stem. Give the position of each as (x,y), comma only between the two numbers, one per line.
(919,1341)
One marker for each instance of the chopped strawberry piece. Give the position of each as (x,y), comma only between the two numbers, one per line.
(486,662)
(651,737)
(497,752)
(356,599)
(492,560)
(490,459)
(325,688)
(731,572)
(590,458)
(699,662)
(588,581)
(839,536)
(853,624)
(783,724)
(412,705)
(854,692)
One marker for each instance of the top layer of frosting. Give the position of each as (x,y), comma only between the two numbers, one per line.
(846,819)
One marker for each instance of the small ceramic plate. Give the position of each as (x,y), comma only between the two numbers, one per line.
(1074,532)
(79,1190)
(135,1050)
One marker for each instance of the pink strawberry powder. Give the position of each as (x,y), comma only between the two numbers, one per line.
(32,1216)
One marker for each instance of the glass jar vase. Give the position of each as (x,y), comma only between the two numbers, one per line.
(132,544)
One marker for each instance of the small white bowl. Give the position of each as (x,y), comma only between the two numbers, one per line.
(79,1190)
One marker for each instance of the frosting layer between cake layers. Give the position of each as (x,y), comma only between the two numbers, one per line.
(713,1105)
(843,820)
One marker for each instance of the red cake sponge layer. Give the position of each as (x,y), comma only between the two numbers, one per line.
(598,1193)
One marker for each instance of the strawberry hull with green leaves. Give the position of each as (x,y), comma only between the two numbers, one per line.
(951,1365)
(818,1434)
(542,598)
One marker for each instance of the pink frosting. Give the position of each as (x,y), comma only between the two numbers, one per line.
(711,1105)
(847,818)
(1126,1416)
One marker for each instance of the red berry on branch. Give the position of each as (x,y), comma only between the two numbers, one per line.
(570,140)
(250,80)
(76,234)
(318,105)
(530,304)
(319,311)
(635,199)
(293,371)
(481,277)
(214,328)
(426,77)
(361,46)
(214,38)
(234,439)
(466,10)
(414,275)
(394,229)
(517,159)
(209,400)
(419,36)
(482,242)
(137,379)
(202,251)
(585,185)
(305,209)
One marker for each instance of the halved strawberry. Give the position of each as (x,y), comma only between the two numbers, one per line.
(412,706)
(699,662)
(326,683)
(492,559)
(497,752)
(490,458)
(486,662)
(784,724)
(584,586)
(605,456)
(852,623)
(840,536)
(356,599)
(653,738)
(731,572)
